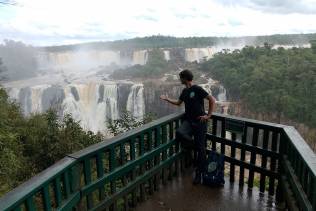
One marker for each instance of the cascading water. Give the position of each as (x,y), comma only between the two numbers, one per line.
(198,54)
(91,103)
(166,55)
(135,101)
(140,57)
(222,97)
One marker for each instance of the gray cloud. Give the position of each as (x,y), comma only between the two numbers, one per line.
(275,6)
(56,38)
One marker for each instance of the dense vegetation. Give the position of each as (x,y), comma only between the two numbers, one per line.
(29,145)
(188,42)
(272,81)
(127,121)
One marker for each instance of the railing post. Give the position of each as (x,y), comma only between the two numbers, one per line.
(88,179)
(253,157)
(112,167)
(233,154)
(157,158)
(273,162)
(150,148)
(282,145)
(133,156)
(242,156)
(75,184)
(164,153)
(142,168)
(177,149)
(214,131)
(264,160)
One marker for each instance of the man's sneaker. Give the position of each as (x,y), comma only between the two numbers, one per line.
(197,178)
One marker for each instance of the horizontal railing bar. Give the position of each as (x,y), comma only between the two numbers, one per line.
(246,147)
(250,122)
(71,202)
(16,196)
(137,181)
(126,168)
(251,166)
(121,137)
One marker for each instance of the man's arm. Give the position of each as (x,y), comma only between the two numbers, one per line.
(172,101)
(211,108)
(211,105)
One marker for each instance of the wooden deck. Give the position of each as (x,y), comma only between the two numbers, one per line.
(181,195)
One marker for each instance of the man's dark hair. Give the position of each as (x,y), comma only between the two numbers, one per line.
(186,74)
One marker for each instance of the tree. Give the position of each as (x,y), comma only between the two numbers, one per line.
(277,82)
(313,45)
(127,122)
(2,70)
(12,165)
(29,145)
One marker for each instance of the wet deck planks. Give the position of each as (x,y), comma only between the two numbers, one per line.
(181,195)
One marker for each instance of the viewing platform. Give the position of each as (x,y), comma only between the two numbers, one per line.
(268,167)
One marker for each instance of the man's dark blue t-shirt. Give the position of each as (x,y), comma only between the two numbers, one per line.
(193,99)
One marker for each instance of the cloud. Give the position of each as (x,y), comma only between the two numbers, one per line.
(46,22)
(276,6)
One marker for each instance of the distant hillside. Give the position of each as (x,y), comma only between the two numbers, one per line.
(188,42)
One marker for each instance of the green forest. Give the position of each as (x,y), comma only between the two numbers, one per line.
(273,81)
(28,145)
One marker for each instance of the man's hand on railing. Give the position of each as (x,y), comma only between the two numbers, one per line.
(204,118)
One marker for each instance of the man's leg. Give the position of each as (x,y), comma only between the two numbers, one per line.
(199,132)
(184,134)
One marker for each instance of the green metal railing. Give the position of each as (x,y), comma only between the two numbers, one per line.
(120,172)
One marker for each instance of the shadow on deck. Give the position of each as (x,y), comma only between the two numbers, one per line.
(181,195)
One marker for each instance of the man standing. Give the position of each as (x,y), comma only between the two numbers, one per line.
(195,118)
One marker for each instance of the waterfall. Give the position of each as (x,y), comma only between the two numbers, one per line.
(30,98)
(166,55)
(198,54)
(140,57)
(222,94)
(92,104)
(136,102)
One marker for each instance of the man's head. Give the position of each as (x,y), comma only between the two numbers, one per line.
(186,76)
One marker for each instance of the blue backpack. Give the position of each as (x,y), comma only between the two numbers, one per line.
(214,174)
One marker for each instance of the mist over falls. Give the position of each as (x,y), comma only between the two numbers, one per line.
(86,59)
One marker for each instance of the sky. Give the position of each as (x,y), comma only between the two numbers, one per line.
(57,22)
